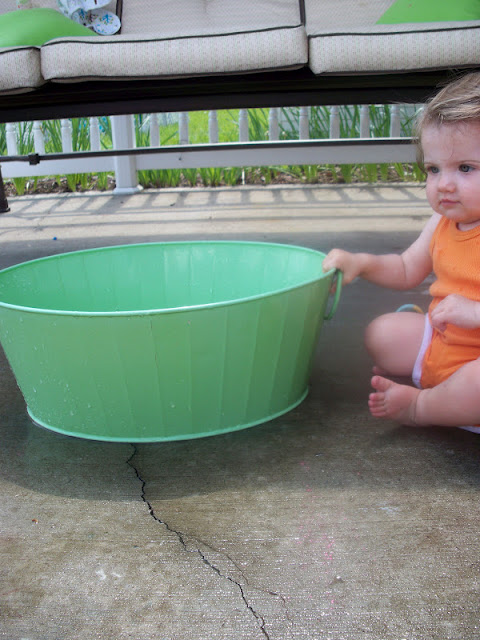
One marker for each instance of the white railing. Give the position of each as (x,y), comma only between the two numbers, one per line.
(334,150)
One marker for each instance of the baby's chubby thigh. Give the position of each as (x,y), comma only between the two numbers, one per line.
(393,341)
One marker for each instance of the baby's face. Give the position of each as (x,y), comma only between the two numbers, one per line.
(452,161)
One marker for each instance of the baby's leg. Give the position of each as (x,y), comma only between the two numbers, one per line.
(393,341)
(453,403)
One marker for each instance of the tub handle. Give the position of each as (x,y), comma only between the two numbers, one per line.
(339,277)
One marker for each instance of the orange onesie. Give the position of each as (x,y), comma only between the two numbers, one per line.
(456,264)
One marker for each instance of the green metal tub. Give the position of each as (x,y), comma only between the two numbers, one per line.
(164,341)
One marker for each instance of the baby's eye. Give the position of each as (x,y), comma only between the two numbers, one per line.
(432,169)
(465,168)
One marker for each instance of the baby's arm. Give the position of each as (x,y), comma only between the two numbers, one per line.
(385,270)
(402,271)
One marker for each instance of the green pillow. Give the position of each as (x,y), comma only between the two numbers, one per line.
(34,27)
(431,11)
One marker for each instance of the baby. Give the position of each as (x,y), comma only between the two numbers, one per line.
(441,351)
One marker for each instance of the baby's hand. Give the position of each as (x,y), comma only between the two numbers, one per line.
(457,310)
(345,262)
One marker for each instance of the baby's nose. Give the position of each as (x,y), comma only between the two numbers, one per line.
(446,182)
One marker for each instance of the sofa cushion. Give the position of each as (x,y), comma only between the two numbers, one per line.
(362,46)
(19,69)
(19,66)
(197,17)
(164,39)
(21,34)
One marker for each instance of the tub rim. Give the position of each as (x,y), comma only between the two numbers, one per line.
(165,310)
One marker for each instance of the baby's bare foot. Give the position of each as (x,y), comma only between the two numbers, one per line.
(392,400)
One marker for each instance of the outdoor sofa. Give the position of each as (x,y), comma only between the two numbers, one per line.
(213,54)
(207,54)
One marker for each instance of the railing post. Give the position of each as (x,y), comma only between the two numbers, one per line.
(303,125)
(213,127)
(38,139)
(273,126)
(124,166)
(395,121)
(334,123)
(11,137)
(66,128)
(94,134)
(364,121)
(154,130)
(183,128)
(243,135)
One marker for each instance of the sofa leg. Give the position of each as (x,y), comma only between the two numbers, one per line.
(3,198)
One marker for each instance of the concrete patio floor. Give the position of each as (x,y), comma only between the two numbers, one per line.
(322,524)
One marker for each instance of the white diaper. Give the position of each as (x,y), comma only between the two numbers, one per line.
(417,367)
(427,338)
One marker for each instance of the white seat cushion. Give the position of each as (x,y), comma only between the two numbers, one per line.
(19,66)
(19,69)
(196,17)
(160,38)
(344,39)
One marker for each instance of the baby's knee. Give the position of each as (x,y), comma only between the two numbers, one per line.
(393,340)
(378,333)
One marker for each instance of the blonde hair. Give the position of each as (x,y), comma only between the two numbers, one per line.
(459,101)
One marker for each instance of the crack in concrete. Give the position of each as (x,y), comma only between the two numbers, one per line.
(182,539)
